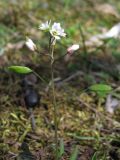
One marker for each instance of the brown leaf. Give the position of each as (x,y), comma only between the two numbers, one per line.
(107,9)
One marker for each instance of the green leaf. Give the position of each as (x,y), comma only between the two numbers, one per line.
(20,69)
(94,157)
(61,152)
(100,87)
(14,116)
(74,154)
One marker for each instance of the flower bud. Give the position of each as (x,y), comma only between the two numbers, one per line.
(30,44)
(73,48)
(70,51)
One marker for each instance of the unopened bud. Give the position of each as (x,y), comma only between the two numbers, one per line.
(73,48)
(70,51)
(30,44)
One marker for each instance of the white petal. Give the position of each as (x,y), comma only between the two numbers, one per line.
(57,37)
(56,26)
(56,31)
(63,34)
(45,26)
(30,44)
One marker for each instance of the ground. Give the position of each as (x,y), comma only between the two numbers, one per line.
(82,117)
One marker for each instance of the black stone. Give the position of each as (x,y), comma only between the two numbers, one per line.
(25,154)
(113,154)
(31,98)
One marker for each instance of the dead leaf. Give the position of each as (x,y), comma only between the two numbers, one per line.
(94,41)
(97,40)
(107,9)
(111,104)
(114,32)
(16,46)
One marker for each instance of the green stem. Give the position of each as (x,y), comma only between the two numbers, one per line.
(54,102)
(84,48)
(40,77)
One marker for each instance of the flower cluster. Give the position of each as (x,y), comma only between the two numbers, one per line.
(55,30)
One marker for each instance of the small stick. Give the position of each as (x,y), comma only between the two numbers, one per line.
(49,84)
(59,82)
(32,119)
(78,73)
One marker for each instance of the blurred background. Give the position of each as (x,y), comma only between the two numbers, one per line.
(22,18)
(86,23)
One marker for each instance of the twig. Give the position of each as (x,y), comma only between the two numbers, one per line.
(33,125)
(13,155)
(78,73)
(56,80)
(59,82)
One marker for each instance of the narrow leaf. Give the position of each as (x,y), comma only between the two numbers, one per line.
(20,69)
(94,157)
(14,116)
(74,154)
(61,148)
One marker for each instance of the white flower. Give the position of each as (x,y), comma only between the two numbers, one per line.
(30,44)
(45,26)
(56,31)
(73,48)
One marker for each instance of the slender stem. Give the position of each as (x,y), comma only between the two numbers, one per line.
(42,53)
(59,58)
(83,41)
(40,77)
(54,102)
(49,43)
(84,48)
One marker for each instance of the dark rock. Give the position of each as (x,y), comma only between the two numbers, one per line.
(25,154)
(31,98)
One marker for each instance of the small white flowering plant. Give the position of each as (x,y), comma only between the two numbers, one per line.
(56,32)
